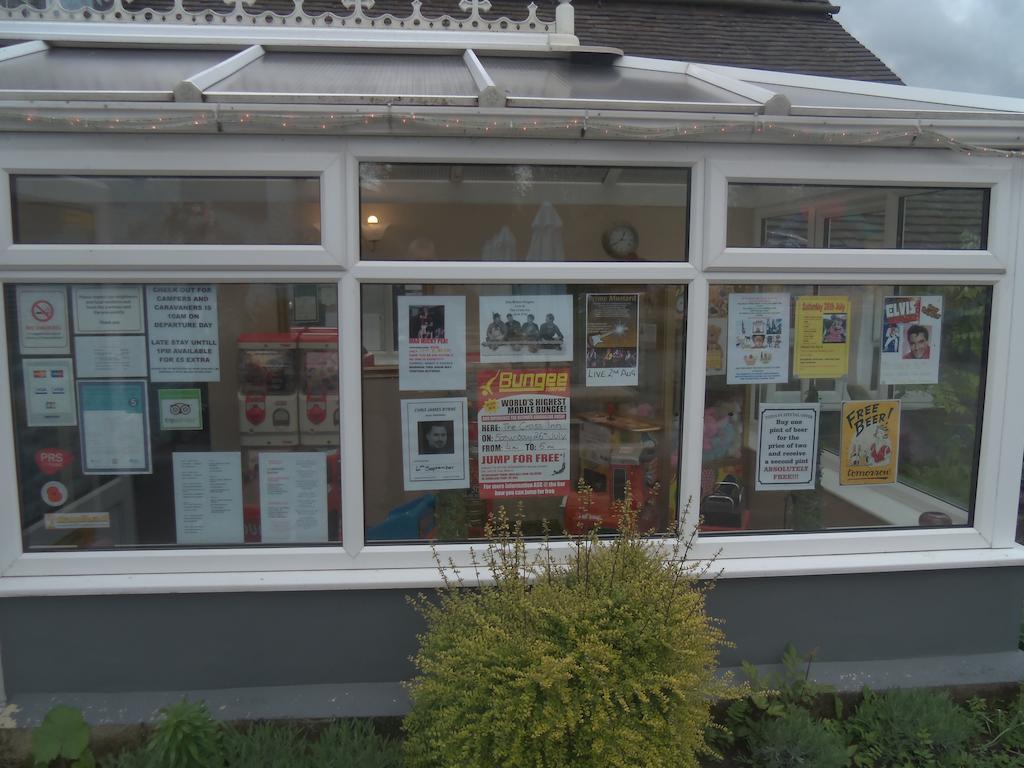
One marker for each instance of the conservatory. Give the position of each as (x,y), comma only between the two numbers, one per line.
(294,301)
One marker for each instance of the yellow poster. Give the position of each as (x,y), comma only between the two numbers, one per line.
(870,442)
(822,346)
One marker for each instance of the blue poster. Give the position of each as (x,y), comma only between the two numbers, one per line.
(114,418)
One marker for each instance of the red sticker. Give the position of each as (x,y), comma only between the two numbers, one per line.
(52,460)
(54,493)
(315,410)
(255,409)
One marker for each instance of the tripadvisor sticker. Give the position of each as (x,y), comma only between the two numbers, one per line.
(181,409)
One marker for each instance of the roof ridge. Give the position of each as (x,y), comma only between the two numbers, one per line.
(804,6)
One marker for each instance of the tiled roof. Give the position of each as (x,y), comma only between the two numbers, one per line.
(783,35)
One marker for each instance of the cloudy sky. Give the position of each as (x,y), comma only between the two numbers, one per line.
(958,45)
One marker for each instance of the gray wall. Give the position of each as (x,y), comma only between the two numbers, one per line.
(211,641)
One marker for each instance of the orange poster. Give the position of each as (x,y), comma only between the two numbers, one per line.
(870,442)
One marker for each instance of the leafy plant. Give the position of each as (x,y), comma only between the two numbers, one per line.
(354,744)
(796,739)
(910,729)
(186,737)
(133,757)
(263,745)
(62,739)
(604,659)
(1001,740)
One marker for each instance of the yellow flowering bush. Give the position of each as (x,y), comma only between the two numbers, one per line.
(603,659)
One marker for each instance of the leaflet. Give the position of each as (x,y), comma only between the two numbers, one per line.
(822,346)
(787,446)
(911,339)
(293,497)
(110,357)
(758,338)
(184,343)
(523,428)
(108,308)
(869,442)
(50,392)
(208,497)
(525,329)
(435,443)
(432,343)
(613,321)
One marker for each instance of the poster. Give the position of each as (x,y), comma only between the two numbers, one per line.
(612,339)
(183,332)
(787,446)
(869,442)
(208,497)
(716,352)
(43,320)
(523,429)
(110,357)
(758,344)
(180,409)
(431,343)
(50,392)
(107,308)
(114,428)
(435,443)
(911,339)
(65,521)
(525,329)
(821,348)
(293,497)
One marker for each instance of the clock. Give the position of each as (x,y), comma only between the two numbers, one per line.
(620,241)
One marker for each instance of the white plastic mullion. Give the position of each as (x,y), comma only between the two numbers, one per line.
(533,272)
(351,382)
(854,261)
(691,448)
(10,509)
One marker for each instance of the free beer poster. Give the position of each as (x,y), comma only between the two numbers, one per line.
(822,346)
(869,442)
(911,339)
(523,432)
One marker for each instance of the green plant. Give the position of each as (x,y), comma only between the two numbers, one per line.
(796,739)
(604,659)
(1001,740)
(133,757)
(186,737)
(264,745)
(910,729)
(772,695)
(62,739)
(354,744)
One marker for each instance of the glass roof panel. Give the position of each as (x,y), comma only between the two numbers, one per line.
(814,97)
(315,76)
(85,71)
(561,79)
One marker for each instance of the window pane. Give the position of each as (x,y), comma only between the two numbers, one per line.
(843,406)
(523,213)
(140,210)
(818,216)
(483,397)
(182,414)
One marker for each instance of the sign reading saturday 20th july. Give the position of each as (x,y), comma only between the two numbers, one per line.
(183,333)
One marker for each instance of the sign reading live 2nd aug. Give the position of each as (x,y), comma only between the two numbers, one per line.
(523,431)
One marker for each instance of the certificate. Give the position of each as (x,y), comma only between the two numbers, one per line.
(114,428)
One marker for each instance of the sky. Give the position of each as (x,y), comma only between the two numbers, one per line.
(956,45)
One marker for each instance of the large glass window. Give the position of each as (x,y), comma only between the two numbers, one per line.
(516,213)
(141,210)
(552,401)
(820,216)
(183,414)
(843,406)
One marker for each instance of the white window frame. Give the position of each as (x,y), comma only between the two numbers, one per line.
(355,565)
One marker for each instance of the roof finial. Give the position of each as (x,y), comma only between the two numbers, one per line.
(476,6)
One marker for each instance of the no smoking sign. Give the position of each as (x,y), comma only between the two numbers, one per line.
(42,311)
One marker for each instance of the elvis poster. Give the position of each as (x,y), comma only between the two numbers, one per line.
(911,339)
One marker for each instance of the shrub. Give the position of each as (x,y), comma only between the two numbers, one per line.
(186,737)
(796,739)
(354,744)
(917,727)
(604,660)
